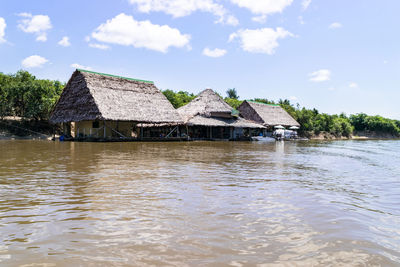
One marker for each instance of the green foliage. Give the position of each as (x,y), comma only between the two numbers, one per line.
(233,102)
(178,99)
(23,95)
(314,122)
(363,122)
(231,93)
(263,100)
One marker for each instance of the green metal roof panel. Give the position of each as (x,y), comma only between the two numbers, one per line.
(115,76)
(274,105)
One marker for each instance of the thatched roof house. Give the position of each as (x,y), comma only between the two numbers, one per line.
(209,109)
(266,114)
(90,96)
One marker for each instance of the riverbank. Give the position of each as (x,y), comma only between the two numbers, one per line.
(16,128)
(356,136)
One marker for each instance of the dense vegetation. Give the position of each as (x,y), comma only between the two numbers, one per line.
(23,95)
(178,99)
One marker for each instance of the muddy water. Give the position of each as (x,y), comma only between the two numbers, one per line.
(199,203)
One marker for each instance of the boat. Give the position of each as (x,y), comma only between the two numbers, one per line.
(263,138)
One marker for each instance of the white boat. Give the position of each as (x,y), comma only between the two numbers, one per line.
(263,138)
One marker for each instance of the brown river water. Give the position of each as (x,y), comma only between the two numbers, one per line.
(200,204)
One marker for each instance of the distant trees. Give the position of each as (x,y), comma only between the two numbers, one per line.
(23,95)
(178,99)
(233,102)
(363,122)
(231,93)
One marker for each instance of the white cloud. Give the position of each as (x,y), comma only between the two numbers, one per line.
(353,85)
(263,7)
(305,4)
(301,20)
(335,25)
(320,75)
(214,53)
(3,26)
(34,61)
(64,41)
(181,8)
(38,25)
(125,30)
(79,66)
(99,46)
(259,19)
(292,98)
(263,40)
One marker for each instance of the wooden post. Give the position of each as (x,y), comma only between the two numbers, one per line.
(141,132)
(104,126)
(210,132)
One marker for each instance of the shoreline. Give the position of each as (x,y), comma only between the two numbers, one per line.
(4,136)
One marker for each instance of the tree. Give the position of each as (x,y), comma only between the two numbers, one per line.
(23,95)
(231,92)
(235,103)
(178,99)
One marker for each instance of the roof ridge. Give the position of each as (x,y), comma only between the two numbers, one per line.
(115,76)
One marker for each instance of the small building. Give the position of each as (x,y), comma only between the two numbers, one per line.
(266,114)
(208,116)
(104,106)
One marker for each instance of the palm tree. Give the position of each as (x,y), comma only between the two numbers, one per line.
(231,92)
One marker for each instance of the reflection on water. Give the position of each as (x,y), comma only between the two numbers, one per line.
(199,203)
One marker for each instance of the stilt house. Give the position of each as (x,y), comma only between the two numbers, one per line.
(266,114)
(99,105)
(208,116)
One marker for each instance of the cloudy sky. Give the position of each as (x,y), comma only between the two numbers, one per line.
(334,55)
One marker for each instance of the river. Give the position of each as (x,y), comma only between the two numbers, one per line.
(200,203)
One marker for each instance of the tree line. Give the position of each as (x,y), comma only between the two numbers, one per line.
(23,95)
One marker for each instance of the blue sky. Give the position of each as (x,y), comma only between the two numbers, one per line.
(334,55)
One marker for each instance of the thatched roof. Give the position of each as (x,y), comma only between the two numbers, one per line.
(222,122)
(206,103)
(268,115)
(209,109)
(90,96)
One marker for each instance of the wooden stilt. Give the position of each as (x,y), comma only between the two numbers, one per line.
(104,128)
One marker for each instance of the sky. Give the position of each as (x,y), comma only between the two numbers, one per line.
(332,55)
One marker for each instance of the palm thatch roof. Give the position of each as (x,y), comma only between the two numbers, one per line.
(98,96)
(206,103)
(266,114)
(222,122)
(209,109)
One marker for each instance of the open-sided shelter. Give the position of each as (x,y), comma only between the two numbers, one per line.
(208,116)
(266,114)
